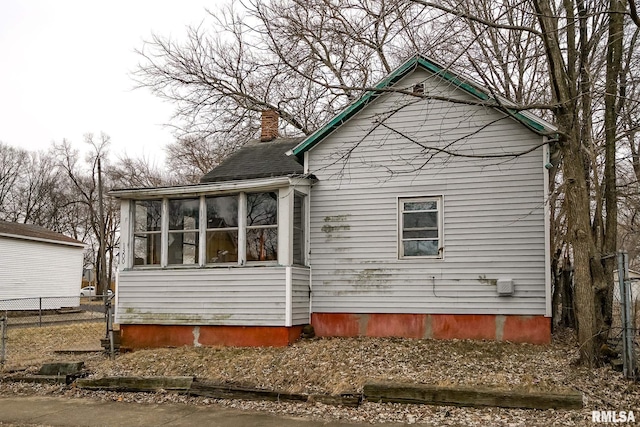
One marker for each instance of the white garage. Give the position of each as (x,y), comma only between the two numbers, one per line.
(38,264)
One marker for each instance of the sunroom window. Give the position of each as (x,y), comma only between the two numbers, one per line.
(184,223)
(420,227)
(147,232)
(298,229)
(222,229)
(262,226)
(232,229)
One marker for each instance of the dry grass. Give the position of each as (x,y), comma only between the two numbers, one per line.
(339,365)
(30,347)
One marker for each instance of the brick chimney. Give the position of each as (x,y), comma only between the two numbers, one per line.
(269,125)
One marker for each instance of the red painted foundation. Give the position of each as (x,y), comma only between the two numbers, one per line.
(468,326)
(153,336)
(531,329)
(336,325)
(396,325)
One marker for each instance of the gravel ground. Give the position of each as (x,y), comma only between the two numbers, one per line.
(343,365)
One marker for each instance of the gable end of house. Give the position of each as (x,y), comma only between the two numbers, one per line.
(535,124)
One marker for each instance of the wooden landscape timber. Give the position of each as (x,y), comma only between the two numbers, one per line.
(137,384)
(475,397)
(222,391)
(373,391)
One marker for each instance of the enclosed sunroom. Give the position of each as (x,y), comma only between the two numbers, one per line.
(221,262)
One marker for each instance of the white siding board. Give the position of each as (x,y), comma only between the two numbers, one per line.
(493,212)
(247,296)
(458,196)
(300,295)
(32,269)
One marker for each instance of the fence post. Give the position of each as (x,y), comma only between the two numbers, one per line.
(3,339)
(628,356)
(630,327)
(109,313)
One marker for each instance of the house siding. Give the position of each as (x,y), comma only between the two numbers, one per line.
(236,296)
(300,295)
(31,269)
(493,209)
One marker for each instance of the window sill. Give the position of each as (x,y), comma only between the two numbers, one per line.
(207,266)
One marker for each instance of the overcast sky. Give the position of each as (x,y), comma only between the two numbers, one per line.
(65,71)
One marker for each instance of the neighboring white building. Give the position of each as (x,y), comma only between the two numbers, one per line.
(419,213)
(36,262)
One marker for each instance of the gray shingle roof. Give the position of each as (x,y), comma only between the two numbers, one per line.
(34,232)
(258,160)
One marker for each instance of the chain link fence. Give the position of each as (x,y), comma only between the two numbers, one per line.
(626,316)
(35,329)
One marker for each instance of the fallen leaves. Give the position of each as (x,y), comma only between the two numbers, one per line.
(342,365)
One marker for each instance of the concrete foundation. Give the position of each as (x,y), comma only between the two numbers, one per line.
(531,329)
(154,336)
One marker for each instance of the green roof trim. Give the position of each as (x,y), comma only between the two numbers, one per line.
(400,72)
(450,77)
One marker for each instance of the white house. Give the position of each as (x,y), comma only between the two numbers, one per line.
(36,262)
(418,212)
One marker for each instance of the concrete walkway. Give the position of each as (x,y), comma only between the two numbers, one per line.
(57,411)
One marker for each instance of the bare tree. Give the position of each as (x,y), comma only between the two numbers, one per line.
(58,190)
(37,191)
(85,186)
(190,157)
(12,165)
(132,172)
(33,192)
(221,79)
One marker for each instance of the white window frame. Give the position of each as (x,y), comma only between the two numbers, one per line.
(204,230)
(440,211)
(144,234)
(303,228)
(183,231)
(245,228)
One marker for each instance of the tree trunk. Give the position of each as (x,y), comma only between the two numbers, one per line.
(556,299)
(604,289)
(568,306)
(102,278)
(580,238)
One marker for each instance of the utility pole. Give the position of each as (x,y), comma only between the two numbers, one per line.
(102,277)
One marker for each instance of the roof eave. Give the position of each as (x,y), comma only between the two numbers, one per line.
(207,188)
(43,240)
(353,108)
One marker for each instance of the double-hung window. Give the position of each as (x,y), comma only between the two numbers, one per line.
(262,226)
(420,227)
(298,229)
(184,223)
(147,223)
(222,229)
